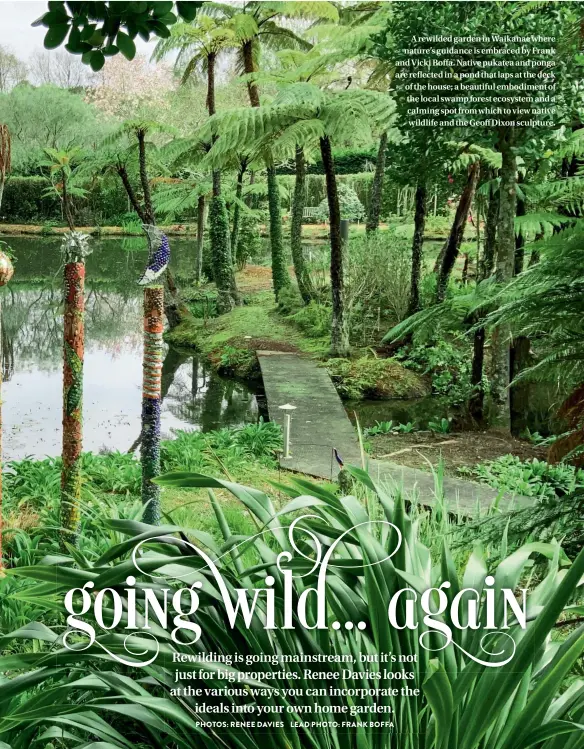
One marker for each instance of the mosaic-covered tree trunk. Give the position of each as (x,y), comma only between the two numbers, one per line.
(151,400)
(6,271)
(75,249)
(158,259)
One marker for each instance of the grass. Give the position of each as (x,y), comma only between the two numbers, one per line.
(258,320)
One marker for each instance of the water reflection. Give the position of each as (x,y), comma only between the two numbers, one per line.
(194,397)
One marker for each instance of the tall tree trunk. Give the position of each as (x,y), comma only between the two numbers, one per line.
(519,239)
(151,401)
(501,366)
(73,354)
(280,275)
(490,237)
(236,210)
(2,183)
(300,269)
(122,171)
(200,237)
(148,210)
(417,248)
(339,333)
(520,349)
(377,186)
(67,203)
(249,68)
(223,272)
(454,240)
(485,270)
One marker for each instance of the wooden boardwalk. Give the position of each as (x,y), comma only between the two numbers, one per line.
(320,424)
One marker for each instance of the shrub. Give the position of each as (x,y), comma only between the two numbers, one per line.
(314,320)
(378,284)
(249,243)
(374,378)
(289,300)
(448,362)
(351,207)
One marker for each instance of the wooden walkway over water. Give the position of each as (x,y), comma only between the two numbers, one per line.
(320,424)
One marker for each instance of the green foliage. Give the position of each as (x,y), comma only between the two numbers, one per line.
(351,206)
(388,427)
(487,704)
(532,478)
(347,161)
(249,243)
(314,320)
(221,254)
(378,284)
(196,451)
(545,303)
(47,116)
(380,427)
(289,300)
(447,362)
(99,30)
(280,275)
(440,426)
(24,201)
(240,362)
(369,377)
(131,224)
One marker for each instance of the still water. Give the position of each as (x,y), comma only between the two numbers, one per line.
(32,329)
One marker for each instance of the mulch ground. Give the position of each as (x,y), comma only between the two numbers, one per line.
(457,450)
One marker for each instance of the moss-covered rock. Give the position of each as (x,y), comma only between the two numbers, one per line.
(369,377)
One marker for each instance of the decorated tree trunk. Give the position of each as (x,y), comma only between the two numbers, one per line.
(159,256)
(75,249)
(6,271)
(151,400)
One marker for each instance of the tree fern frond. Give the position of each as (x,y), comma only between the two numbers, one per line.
(533,224)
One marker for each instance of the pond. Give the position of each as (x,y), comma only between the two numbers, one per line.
(32,329)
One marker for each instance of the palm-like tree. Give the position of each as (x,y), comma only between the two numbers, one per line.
(256,25)
(302,114)
(199,45)
(62,171)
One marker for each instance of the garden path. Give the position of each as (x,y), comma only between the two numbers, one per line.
(320,424)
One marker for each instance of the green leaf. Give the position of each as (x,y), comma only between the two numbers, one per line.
(56,35)
(159,29)
(188,10)
(126,45)
(97,60)
(161,8)
(548,731)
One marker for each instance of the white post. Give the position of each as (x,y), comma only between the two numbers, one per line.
(287,408)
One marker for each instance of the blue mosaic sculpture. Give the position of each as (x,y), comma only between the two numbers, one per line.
(158,255)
